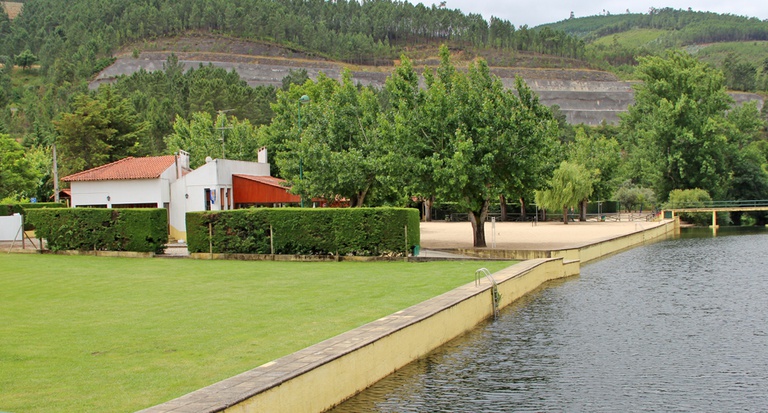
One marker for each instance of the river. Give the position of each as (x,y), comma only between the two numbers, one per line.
(677,325)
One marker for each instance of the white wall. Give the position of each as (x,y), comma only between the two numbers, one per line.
(188,193)
(9,228)
(129,191)
(124,191)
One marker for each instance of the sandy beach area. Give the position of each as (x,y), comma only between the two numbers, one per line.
(526,235)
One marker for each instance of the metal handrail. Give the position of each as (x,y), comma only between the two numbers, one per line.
(721,204)
(495,296)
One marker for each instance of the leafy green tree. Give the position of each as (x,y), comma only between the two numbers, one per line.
(224,137)
(633,197)
(338,151)
(26,59)
(602,156)
(499,136)
(41,160)
(413,128)
(102,128)
(690,198)
(739,75)
(5,88)
(570,184)
(17,176)
(295,77)
(678,125)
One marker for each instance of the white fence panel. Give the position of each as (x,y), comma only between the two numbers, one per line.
(9,228)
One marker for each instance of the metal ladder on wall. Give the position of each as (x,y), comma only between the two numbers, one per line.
(495,296)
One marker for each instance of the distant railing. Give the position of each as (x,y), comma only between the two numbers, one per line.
(721,204)
(517,217)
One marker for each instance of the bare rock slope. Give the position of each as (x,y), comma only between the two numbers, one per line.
(585,96)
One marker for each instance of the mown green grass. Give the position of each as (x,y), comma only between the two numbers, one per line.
(93,334)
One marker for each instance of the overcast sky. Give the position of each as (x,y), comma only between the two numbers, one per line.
(536,12)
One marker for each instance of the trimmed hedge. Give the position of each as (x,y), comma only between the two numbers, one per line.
(10,209)
(86,229)
(304,231)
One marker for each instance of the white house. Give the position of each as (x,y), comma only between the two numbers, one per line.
(209,188)
(163,182)
(128,183)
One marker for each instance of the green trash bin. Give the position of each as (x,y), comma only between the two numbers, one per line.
(415,250)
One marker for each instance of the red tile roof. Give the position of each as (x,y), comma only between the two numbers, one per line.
(267,180)
(126,168)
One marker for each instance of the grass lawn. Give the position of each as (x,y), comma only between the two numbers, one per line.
(95,334)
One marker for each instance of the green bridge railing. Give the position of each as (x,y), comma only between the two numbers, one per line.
(720,204)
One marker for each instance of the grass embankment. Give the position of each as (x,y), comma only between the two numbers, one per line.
(631,38)
(92,334)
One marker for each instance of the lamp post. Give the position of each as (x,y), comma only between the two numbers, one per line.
(302,100)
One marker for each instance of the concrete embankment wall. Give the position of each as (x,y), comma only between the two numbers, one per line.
(319,377)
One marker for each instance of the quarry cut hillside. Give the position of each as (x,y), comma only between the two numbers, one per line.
(584,96)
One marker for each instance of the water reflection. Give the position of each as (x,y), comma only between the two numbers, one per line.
(679,325)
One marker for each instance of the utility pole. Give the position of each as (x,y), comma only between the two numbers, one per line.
(55,176)
(221,128)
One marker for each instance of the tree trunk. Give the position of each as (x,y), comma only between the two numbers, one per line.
(583,210)
(565,215)
(361,197)
(477,218)
(523,215)
(428,202)
(503,202)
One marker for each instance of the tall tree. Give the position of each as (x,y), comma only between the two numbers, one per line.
(416,128)
(570,184)
(339,149)
(601,156)
(499,135)
(102,128)
(678,125)
(18,178)
(223,137)
(26,59)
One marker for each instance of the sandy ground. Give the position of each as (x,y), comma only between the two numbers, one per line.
(526,235)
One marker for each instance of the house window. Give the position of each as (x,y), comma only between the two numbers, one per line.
(207,199)
(145,205)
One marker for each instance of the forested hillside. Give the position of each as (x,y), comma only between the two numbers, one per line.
(683,26)
(361,32)
(429,120)
(738,45)
(50,51)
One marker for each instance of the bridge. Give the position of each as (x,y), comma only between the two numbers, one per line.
(720,206)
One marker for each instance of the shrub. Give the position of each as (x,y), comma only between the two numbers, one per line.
(10,209)
(633,197)
(141,230)
(691,198)
(325,231)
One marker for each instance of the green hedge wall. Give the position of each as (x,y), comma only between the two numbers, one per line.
(141,230)
(304,231)
(10,209)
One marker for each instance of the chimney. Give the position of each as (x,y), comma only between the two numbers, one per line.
(262,155)
(182,162)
